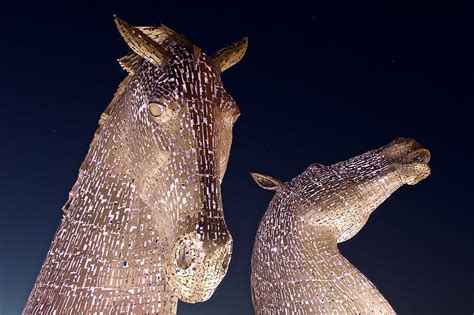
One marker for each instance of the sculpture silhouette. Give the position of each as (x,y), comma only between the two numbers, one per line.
(144,224)
(296,265)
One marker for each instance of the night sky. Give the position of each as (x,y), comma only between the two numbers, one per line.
(319,83)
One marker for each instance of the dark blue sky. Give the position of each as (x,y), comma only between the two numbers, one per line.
(320,83)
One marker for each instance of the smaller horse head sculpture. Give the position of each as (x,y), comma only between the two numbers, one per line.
(296,266)
(144,225)
(181,121)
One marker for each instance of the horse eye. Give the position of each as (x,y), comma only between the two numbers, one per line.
(156,109)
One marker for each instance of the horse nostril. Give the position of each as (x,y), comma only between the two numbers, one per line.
(184,258)
(418,155)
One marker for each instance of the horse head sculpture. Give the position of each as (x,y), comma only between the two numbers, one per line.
(144,225)
(296,265)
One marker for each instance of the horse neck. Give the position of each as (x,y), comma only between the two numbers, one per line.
(339,284)
(105,255)
(306,272)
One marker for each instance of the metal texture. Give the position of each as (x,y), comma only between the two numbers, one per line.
(296,265)
(144,224)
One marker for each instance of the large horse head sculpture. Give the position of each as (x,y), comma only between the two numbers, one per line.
(296,265)
(146,210)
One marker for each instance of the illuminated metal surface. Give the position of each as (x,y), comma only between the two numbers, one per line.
(296,265)
(144,224)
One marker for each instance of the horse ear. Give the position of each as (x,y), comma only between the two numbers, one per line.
(266,182)
(141,43)
(230,55)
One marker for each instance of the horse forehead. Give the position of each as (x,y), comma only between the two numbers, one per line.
(313,183)
(204,87)
(193,61)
